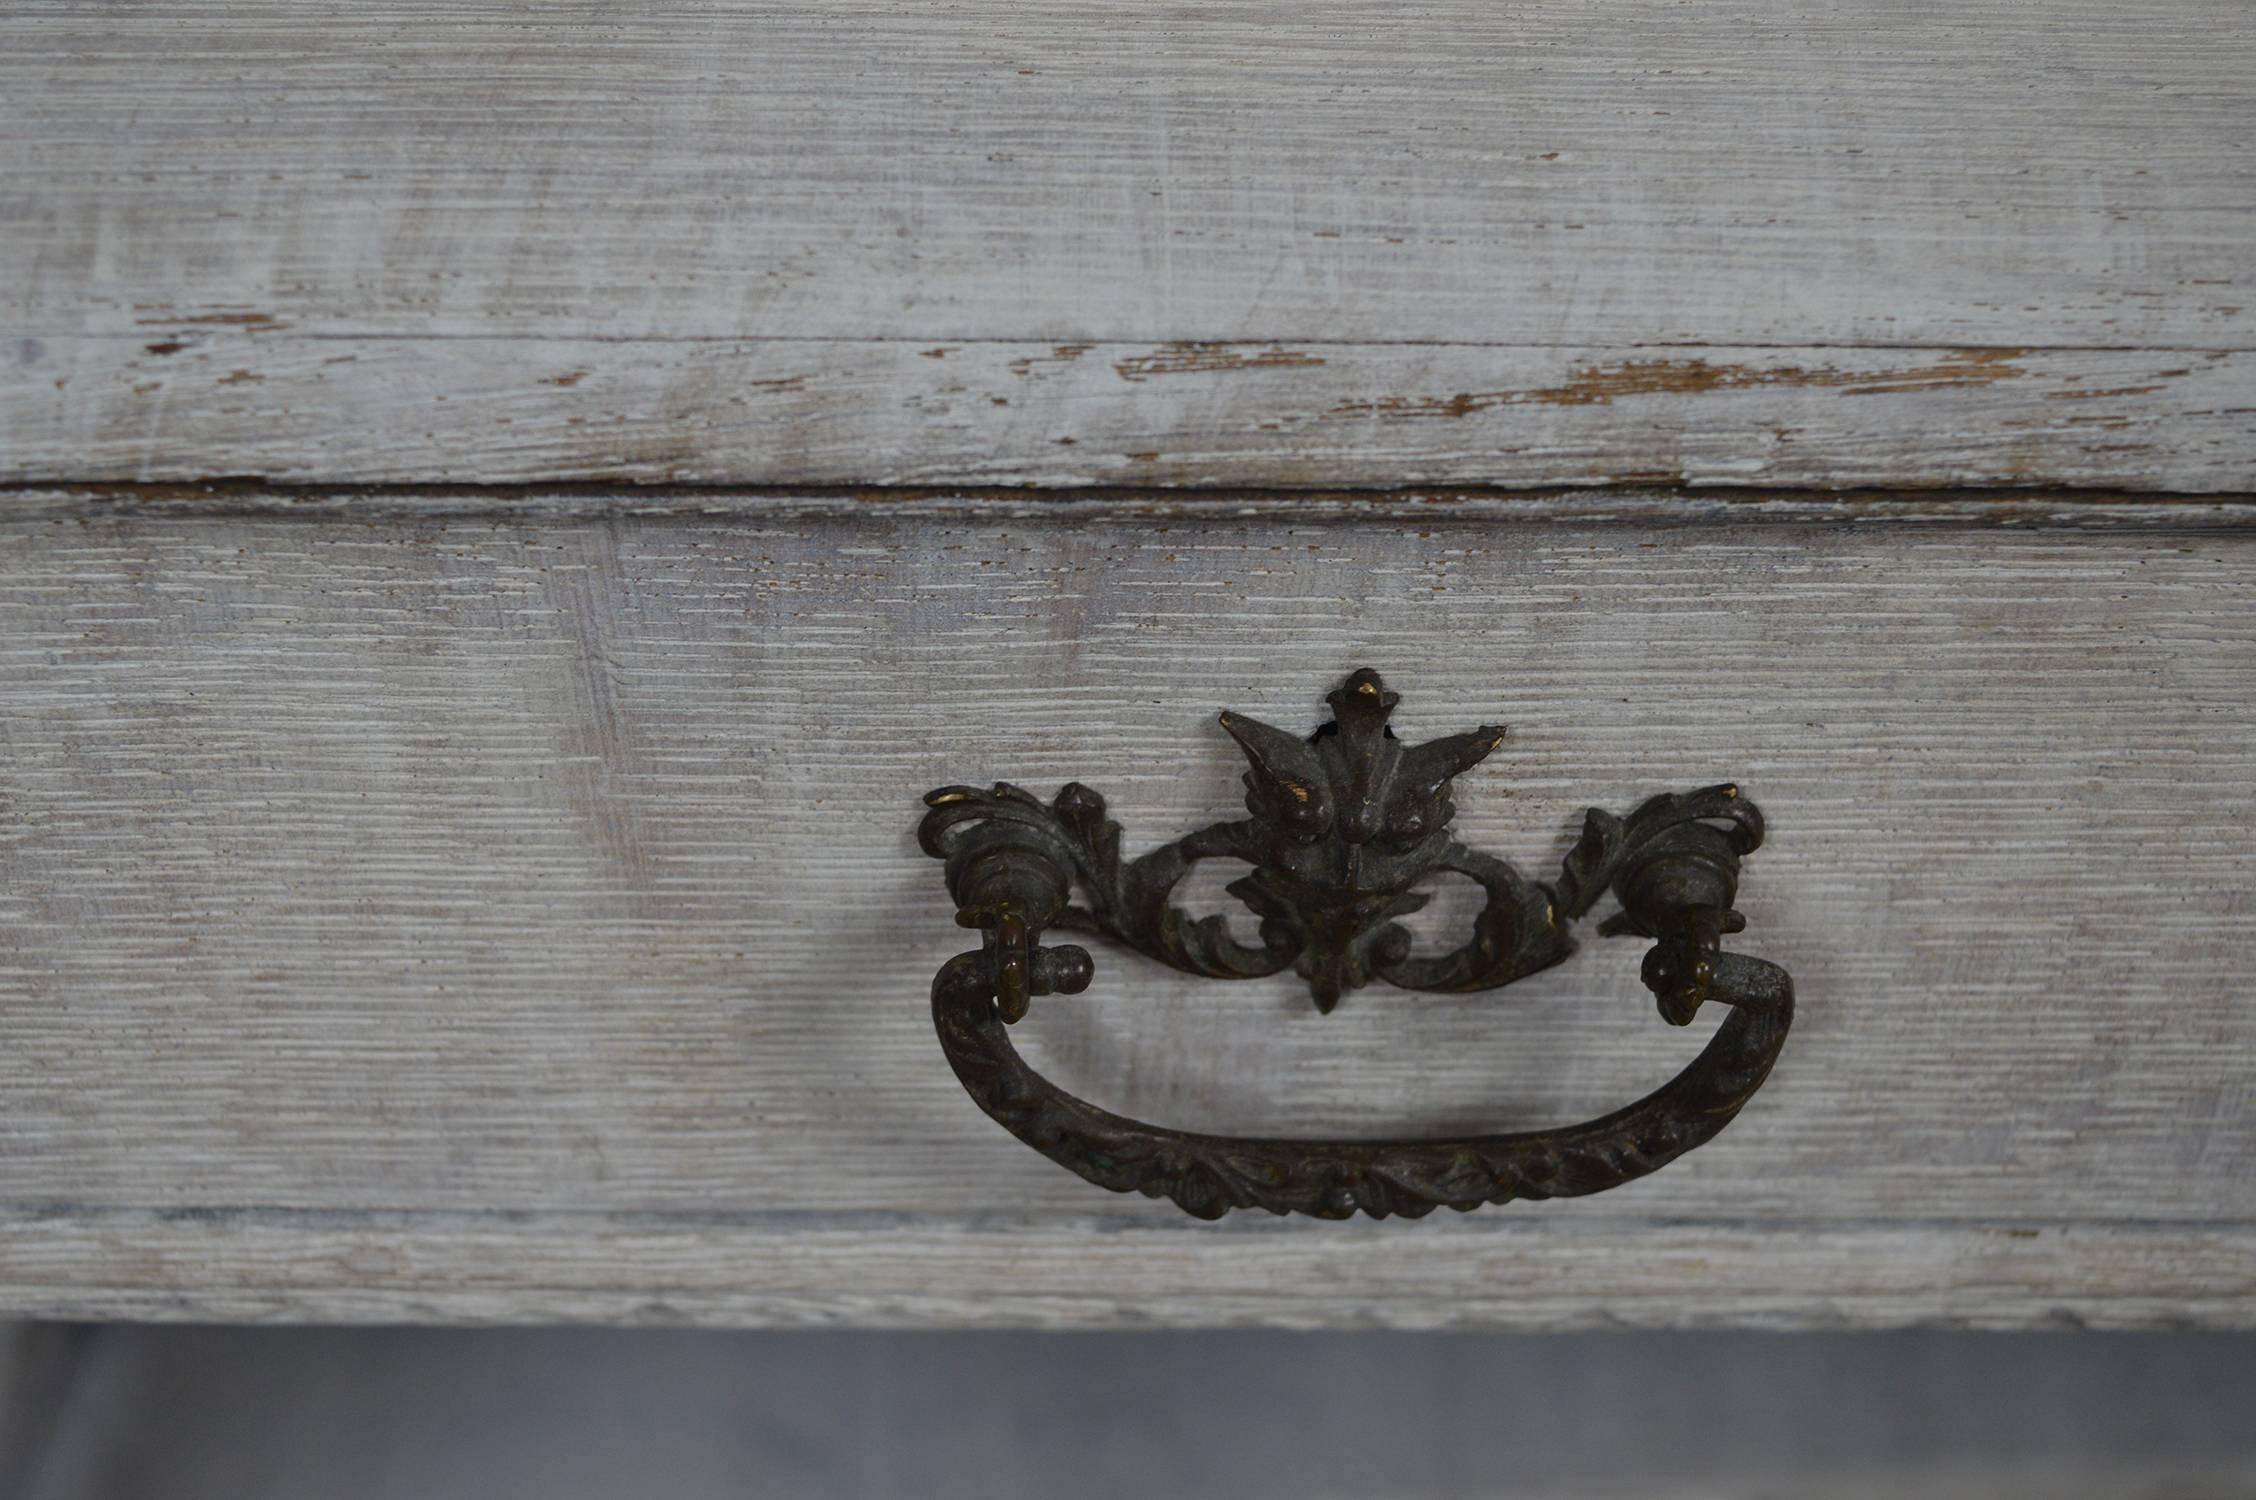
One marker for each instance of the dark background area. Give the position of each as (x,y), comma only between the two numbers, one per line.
(339,1414)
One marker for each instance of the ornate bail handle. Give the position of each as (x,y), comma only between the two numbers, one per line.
(1343,825)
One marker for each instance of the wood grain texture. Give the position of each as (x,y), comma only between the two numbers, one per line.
(1342,243)
(1317,414)
(427,876)
(937,1273)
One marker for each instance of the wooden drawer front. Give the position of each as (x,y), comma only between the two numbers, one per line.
(518,915)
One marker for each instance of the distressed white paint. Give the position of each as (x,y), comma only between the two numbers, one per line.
(748,242)
(310,410)
(1497,1269)
(366,884)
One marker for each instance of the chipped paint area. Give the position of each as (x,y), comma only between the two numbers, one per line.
(1060,354)
(217,318)
(1182,358)
(1602,385)
(178,406)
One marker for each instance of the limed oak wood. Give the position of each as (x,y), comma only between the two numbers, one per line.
(518,916)
(1309,413)
(1559,1270)
(1340,243)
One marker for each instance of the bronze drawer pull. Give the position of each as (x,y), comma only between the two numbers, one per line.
(1343,824)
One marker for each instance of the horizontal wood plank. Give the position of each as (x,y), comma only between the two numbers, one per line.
(1347,243)
(1469,1273)
(193,404)
(469,869)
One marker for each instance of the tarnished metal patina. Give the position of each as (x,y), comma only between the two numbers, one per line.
(1344,825)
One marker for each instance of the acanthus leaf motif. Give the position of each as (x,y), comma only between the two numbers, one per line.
(1343,826)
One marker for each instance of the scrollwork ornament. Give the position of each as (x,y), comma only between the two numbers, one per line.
(1342,827)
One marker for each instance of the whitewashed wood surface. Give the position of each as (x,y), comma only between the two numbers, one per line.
(1566,241)
(511,917)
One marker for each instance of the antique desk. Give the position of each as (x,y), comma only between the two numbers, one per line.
(510,507)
